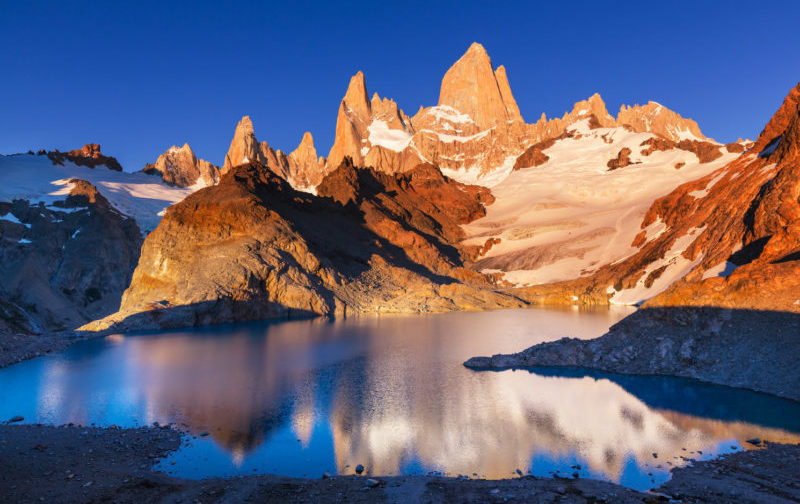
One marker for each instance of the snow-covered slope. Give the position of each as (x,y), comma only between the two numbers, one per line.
(36,179)
(567,217)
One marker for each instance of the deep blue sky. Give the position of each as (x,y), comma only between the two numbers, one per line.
(137,77)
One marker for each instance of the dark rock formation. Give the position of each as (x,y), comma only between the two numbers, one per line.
(65,264)
(88,155)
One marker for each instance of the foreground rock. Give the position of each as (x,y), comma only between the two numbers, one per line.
(78,464)
(254,248)
(750,349)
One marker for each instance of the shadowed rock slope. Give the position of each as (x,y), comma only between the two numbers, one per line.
(252,248)
(64,264)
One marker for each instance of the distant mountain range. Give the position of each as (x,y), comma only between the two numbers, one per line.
(463,205)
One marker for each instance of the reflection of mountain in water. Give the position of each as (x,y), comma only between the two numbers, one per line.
(394,394)
(494,425)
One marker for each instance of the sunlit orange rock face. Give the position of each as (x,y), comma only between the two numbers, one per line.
(180,167)
(473,88)
(301,168)
(738,229)
(752,219)
(476,132)
(252,247)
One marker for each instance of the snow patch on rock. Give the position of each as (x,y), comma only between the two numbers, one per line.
(393,139)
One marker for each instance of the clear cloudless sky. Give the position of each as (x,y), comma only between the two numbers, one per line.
(140,76)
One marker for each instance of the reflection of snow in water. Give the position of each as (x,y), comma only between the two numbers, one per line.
(388,392)
(492,423)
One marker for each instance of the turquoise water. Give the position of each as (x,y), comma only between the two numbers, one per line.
(301,398)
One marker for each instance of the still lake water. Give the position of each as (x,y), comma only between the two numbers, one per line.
(300,398)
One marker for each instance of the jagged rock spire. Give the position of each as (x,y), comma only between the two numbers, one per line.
(472,87)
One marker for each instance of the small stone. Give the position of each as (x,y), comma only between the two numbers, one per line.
(359,469)
(494,491)
(205,433)
(326,475)
(655,455)
(754,441)
(16,418)
(519,472)
(372,483)
(87,484)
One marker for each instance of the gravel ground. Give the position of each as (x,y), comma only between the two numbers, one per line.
(77,464)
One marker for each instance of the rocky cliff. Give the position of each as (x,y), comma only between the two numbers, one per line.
(65,263)
(252,247)
(472,87)
(179,166)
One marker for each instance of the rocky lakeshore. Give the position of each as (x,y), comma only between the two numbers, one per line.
(19,347)
(750,349)
(87,464)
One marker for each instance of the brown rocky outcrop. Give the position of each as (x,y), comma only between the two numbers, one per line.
(622,160)
(535,156)
(64,264)
(179,166)
(705,151)
(252,247)
(737,147)
(88,155)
